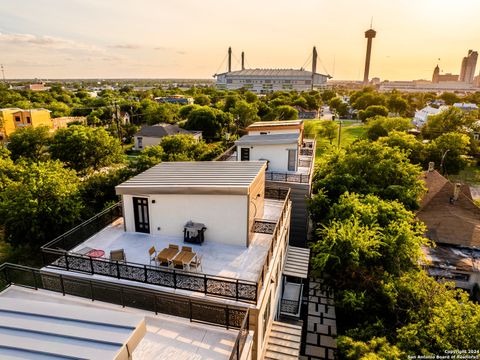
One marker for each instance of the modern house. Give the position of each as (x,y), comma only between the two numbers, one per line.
(290,160)
(422,115)
(12,119)
(453,222)
(206,241)
(175,99)
(153,135)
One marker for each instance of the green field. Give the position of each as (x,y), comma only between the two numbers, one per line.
(351,130)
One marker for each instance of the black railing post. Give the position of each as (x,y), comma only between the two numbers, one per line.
(91,265)
(205,283)
(145,273)
(227,317)
(122,298)
(34,279)
(155,304)
(66,261)
(62,285)
(174,279)
(91,290)
(190,309)
(236,290)
(7,278)
(118,269)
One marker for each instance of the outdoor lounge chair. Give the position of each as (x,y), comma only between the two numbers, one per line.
(118,255)
(197,262)
(152,252)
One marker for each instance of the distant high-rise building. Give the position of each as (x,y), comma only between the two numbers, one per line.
(469,62)
(369,34)
(437,77)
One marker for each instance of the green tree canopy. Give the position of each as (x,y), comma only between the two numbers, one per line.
(450,120)
(30,143)
(328,129)
(212,122)
(372,111)
(339,106)
(286,112)
(83,148)
(408,143)
(452,148)
(370,168)
(381,125)
(42,203)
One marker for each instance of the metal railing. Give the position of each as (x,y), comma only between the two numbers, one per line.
(125,295)
(280,194)
(227,154)
(289,306)
(241,338)
(287,177)
(57,253)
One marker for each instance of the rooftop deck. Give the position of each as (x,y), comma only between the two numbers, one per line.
(228,271)
(167,337)
(235,262)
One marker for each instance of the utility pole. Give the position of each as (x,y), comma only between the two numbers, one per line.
(442,168)
(117,120)
(339,132)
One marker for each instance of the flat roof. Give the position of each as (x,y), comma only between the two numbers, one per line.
(166,337)
(32,329)
(200,177)
(274,123)
(268,139)
(271,72)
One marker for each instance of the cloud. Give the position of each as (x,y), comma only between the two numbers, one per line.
(181,52)
(48,42)
(125,46)
(161,48)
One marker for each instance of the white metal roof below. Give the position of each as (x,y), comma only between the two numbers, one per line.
(40,330)
(296,263)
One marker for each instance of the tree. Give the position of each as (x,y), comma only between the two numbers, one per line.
(451,120)
(381,126)
(202,100)
(449,98)
(339,106)
(327,95)
(328,130)
(286,112)
(212,122)
(39,206)
(449,150)
(413,148)
(83,148)
(370,168)
(372,111)
(245,113)
(397,105)
(150,156)
(30,143)
(365,98)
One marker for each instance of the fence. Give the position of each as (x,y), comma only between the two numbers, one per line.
(126,296)
(287,177)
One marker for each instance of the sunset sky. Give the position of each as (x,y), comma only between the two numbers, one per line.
(189,38)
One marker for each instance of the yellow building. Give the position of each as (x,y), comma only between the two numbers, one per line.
(13,118)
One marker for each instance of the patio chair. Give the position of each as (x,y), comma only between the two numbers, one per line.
(118,255)
(152,252)
(197,262)
(187,248)
(173,246)
(178,263)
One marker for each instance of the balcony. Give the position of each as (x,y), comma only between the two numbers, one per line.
(228,271)
(176,325)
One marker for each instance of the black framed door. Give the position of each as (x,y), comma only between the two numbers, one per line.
(244,154)
(140,213)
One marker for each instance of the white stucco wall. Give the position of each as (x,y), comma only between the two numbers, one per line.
(147,141)
(279,131)
(225,216)
(277,155)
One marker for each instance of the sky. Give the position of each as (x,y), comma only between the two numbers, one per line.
(189,38)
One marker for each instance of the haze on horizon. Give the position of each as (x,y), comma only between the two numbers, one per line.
(189,39)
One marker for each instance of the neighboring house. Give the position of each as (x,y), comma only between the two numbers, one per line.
(306,114)
(453,222)
(37,87)
(153,135)
(13,118)
(466,106)
(290,160)
(421,116)
(222,258)
(175,99)
(62,122)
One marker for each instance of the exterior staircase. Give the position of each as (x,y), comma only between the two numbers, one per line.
(283,342)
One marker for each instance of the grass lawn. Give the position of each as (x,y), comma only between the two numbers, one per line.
(469,175)
(351,130)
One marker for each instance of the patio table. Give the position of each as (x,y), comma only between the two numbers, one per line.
(96,253)
(166,255)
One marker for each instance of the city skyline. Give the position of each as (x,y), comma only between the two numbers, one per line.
(145,39)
